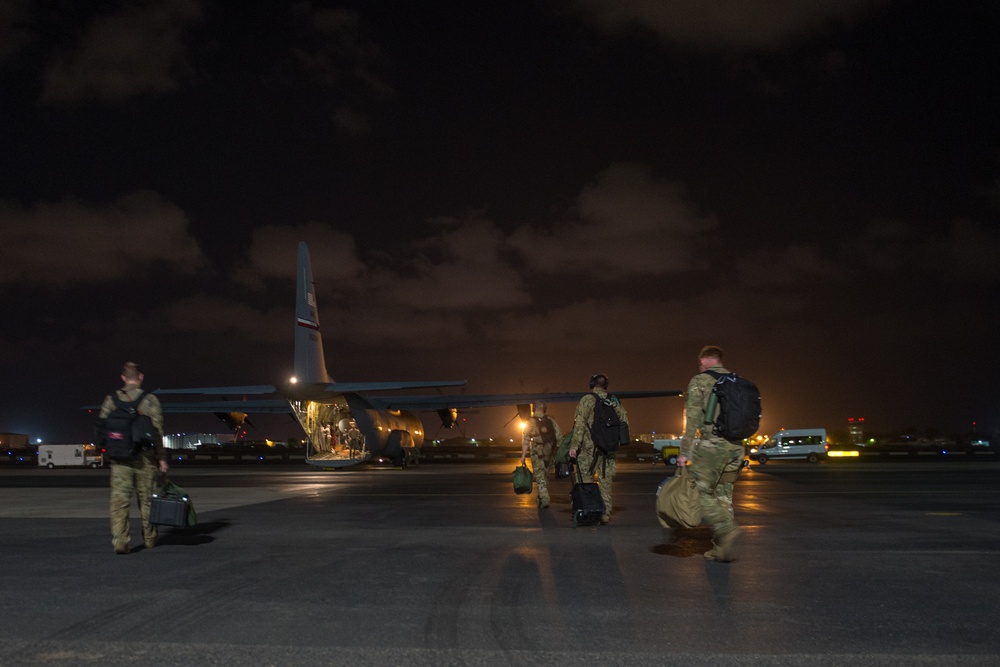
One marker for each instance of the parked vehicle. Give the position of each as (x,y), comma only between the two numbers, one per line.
(51,456)
(799,443)
(669,448)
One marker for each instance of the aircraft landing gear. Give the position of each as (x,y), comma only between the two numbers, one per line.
(407,457)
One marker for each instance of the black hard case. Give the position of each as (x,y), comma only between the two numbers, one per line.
(169,512)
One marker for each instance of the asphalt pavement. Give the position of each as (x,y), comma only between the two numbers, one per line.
(845,563)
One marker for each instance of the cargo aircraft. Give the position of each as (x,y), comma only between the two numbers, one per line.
(345,423)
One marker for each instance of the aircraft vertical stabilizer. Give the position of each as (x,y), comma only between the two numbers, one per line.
(310,366)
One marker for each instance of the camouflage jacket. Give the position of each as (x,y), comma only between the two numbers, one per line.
(696,400)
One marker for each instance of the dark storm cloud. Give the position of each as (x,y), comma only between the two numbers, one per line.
(724,24)
(457,265)
(139,51)
(335,51)
(71,242)
(448,281)
(460,266)
(347,68)
(203,314)
(627,223)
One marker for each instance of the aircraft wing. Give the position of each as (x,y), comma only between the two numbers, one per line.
(333,387)
(494,400)
(245,389)
(269,406)
(355,387)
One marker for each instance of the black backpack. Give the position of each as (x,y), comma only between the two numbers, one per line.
(546,431)
(607,430)
(739,407)
(125,432)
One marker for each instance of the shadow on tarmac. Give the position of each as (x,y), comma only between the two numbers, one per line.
(194,536)
(686,543)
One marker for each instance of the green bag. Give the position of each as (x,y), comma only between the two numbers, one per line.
(562,452)
(522,479)
(677,501)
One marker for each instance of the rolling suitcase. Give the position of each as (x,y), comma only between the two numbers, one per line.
(588,506)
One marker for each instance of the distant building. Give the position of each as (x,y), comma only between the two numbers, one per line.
(856,429)
(193,440)
(650,438)
(13,440)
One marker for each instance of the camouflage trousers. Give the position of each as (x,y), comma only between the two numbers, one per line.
(714,467)
(130,479)
(604,471)
(542,463)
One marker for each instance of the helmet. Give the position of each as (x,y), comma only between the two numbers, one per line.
(599,379)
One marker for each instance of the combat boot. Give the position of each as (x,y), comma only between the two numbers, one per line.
(723,547)
(122,550)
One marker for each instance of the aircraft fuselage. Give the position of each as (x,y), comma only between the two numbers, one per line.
(346,429)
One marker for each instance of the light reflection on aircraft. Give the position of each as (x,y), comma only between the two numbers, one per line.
(343,423)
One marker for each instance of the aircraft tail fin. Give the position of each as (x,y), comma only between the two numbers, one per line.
(310,365)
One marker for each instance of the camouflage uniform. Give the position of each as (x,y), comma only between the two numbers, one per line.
(543,452)
(135,476)
(715,462)
(605,467)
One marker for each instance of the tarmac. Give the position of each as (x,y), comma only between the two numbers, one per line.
(841,563)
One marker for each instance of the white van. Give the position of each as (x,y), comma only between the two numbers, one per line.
(795,443)
(51,456)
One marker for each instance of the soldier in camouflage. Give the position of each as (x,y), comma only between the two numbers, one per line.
(135,476)
(541,434)
(714,462)
(588,460)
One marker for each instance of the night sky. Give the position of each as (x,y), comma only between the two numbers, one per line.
(515,193)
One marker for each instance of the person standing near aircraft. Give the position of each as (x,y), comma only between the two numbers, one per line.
(582,448)
(540,436)
(715,462)
(135,476)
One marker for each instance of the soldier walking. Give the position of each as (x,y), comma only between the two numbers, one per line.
(588,458)
(540,437)
(715,462)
